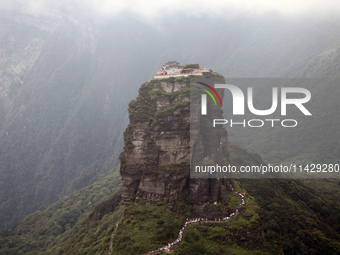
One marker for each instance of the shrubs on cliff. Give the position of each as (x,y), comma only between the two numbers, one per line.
(293,216)
(171,109)
(144,108)
(194,66)
(145,228)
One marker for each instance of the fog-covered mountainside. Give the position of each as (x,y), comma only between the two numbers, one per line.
(313,140)
(62,117)
(65,87)
(275,216)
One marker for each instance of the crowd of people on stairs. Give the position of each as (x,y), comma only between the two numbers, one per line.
(169,246)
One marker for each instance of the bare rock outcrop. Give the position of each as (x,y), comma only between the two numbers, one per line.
(155,163)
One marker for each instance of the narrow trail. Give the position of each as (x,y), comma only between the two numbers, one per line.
(113,234)
(195,221)
(201,221)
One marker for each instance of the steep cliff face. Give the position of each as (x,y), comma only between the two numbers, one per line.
(155,164)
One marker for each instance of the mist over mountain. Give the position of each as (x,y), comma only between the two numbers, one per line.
(65,85)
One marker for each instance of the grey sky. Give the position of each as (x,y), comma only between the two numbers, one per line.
(151,9)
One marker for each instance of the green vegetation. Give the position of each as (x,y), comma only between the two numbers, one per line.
(145,228)
(295,217)
(211,240)
(128,144)
(185,79)
(148,227)
(233,200)
(144,108)
(141,228)
(171,109)
(239,187)
(242,235)
(48,226)
(93,232)
(241,157)
(195,66)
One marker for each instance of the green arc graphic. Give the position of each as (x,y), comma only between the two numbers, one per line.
(209,94)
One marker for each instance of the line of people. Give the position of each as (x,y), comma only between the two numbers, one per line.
(168,248)
(242,195)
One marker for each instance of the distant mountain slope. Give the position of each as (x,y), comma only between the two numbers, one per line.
(46,227)
(303,215)
(315,138)
(20,46)
(60,130)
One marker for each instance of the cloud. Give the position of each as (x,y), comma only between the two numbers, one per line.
(151,9)
(216,8)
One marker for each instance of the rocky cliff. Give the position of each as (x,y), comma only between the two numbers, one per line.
(155,163)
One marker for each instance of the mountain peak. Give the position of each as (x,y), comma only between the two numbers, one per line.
(155,163)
